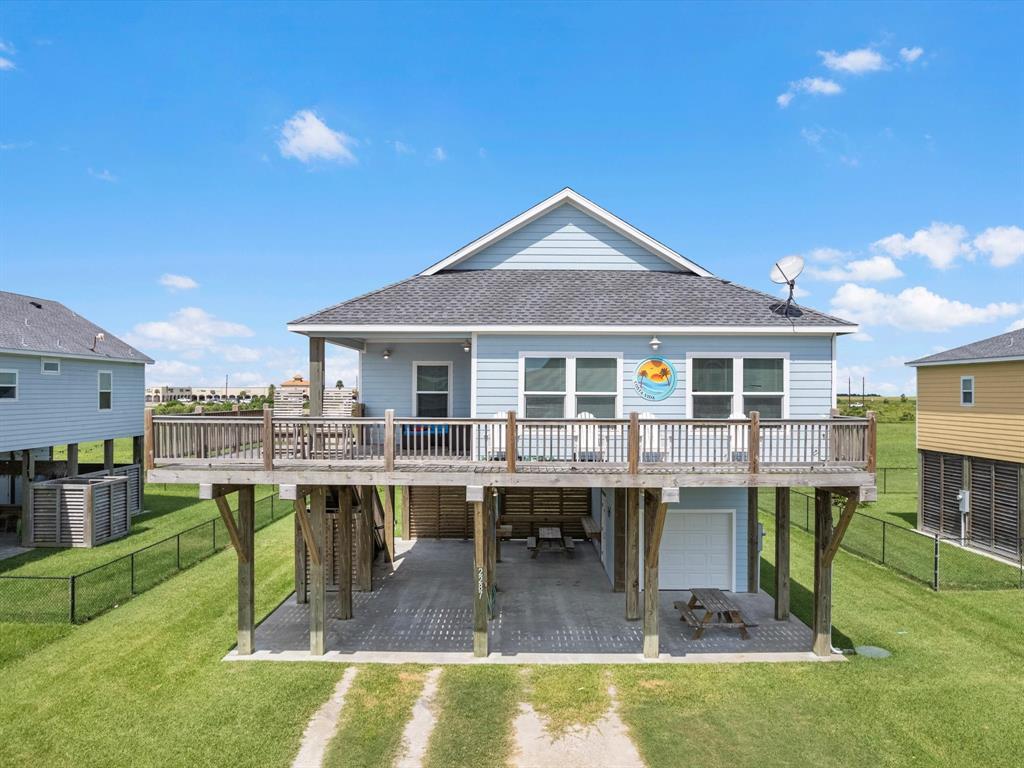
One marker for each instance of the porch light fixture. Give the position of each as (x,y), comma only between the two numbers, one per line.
(655,342)
(467,345)
(386,354)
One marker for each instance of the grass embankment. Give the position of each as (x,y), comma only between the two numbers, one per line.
(145,685)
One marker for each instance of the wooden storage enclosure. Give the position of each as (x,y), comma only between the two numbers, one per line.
(80,511)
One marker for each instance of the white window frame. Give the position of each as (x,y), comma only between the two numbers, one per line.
(17,386)
(99,389)
(974,392)
(737,379)
(42,366)
(570,393)
(415,391)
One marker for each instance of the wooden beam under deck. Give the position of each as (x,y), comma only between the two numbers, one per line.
(632,553)
(782,554)
(568,477)
(343,553)
(655,511)
(246,570)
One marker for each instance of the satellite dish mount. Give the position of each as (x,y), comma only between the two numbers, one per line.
(785,272)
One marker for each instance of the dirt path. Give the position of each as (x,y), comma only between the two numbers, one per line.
(323,725)
(417,732)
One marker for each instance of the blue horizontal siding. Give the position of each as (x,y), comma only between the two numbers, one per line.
(566,238)
(388,383)
(61,409)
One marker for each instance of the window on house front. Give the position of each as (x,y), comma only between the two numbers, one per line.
(8,385)
(966,390)
(763,386)
(433,387)
(544,387)
(712,388)
(597,386)
(732,387)
(49,367)
(106,390)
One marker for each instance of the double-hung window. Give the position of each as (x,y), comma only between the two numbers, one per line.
(731,387)
(557,387)
(966,390)
(8,385)
(49,367)
(106,390)
(433,389)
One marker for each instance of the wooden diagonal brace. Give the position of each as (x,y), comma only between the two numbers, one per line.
(307,531)
(229,523)
(654,546)
(852,500)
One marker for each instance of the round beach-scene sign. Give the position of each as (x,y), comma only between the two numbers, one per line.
(655,379)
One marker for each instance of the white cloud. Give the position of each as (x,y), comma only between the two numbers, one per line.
(1016,325)
(914,309)
(173,373)
(940,243)
(827,255)
(236,353)
(861,336)
(1005,245)
(6,64)
(856,62)
(855,372)
(178,282)
(813,136)
(343,365)
(401,148)
(816,86)
(886,388)
(15,145)
(482,152)
(869,270)
(103,175)
(798,292)
(6,47)
(190,330)
(439,154)
(306,138)
(910,55)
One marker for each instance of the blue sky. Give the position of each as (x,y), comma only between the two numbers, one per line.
(282,158)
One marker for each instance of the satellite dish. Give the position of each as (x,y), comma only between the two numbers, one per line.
(787,270)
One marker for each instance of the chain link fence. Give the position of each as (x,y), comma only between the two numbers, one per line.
(82,596)
(938,561)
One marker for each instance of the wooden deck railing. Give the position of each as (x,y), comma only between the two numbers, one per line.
(628,444)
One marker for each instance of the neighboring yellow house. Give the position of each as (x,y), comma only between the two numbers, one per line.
(970,442)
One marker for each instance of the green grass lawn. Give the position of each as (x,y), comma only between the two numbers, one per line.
(92,453)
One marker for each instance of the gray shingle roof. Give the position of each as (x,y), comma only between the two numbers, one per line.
(1005,345)
(28,324)
(481,298)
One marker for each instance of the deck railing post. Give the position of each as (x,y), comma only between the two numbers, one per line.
(268,438)
(511,442)
(633,443)
(872,440)
(754,443)
(389,440)
(148,437)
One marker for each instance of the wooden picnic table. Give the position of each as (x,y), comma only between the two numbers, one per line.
(719,610)
(549,537)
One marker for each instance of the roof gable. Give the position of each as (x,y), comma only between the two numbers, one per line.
(1004,347)
(593,238)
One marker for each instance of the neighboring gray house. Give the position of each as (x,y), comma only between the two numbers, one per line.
(63,381)
(590,378)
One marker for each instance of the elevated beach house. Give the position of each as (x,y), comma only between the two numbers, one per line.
(970,443)
(66,381)
(563,370)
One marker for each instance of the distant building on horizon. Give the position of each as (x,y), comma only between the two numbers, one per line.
(169,394)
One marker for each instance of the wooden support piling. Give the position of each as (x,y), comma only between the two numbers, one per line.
(317,570)
(316,376)
(72,459)
(246,570)
(301,595)
(389,523)
(364,539)
(821,622)
(781,554)
(108,454)
(404,506)
(147,428)
(654,526)
(481,589)
(492,550)
(619,541)
(343,553)
(632,553)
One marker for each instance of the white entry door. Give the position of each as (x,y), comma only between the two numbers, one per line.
(697,550)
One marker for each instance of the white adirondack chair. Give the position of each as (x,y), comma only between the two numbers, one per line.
(654,441)
(587,439)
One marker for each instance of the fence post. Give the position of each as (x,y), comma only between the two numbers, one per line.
(177,554)
(935,566)
(71,598)
(885,526)
(885,479)
(133,573)
(214,526)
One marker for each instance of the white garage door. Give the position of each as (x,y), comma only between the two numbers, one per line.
(696,550)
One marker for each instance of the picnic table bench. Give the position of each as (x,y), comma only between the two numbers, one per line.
(719,611)
(550,537)
(591,528)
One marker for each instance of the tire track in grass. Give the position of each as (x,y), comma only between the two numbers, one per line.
(322,726)
(421,725)
(377,707)
(474,725)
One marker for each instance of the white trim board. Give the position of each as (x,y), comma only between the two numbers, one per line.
(589,207)
(318,329)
